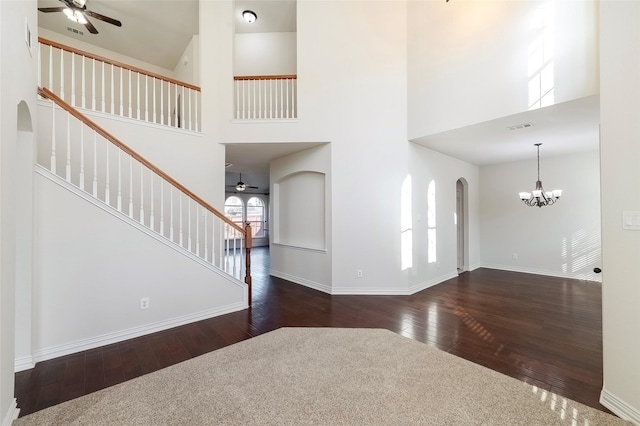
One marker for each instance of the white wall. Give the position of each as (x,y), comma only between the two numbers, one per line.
(620,169)
(305,261)
(469,61)
(185,156)
(265,54)
(560,240)
(188,67)
(428,165)
(17,84)
(92,268)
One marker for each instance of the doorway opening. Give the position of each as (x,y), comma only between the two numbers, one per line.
(461,220)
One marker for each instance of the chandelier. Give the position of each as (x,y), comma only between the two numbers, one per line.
(538,197)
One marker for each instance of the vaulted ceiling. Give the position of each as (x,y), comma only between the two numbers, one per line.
(158,31)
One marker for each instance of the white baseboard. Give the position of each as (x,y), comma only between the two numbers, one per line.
(619,407)
(119,336)
(430,283)
(591,277)
(11,414)
(302,281)
(23,363)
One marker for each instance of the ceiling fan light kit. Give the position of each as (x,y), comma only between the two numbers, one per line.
(539,197)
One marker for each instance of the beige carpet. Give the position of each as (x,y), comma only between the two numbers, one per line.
(323,376)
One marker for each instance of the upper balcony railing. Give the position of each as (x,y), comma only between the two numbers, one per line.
(267,97)
(85,80)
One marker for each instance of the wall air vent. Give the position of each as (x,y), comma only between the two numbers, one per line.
(520,126)
(73,30)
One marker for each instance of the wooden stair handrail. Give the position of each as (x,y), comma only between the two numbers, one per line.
(46,93)
(266,77)
(115,63)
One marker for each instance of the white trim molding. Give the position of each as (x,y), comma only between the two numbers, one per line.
(619,407)
(302,281)
(119,336)
(596,278)
(11,414)
(23,363)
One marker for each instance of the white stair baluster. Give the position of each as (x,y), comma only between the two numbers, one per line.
(180,218)
(95,164)
(237,87)
(154,99)
(131,186)
(141,194)
(287,97)
(81,182)
(197,119)
(119,196)
(161,102)
(205,213)
(67,173)
(282,100)
(102,103)
(107,190)
(189,91)
(169,123)
(121,91)
(146,98)
(62,74)
(50,82)
(162,207)
(294,88)
(93,84)
(73,79)
(151,224)
(182,109)
(113,88)
(259,84)
(138,95)
(53,138)
(130,99)
(189,223)
(271,98)
(171,212)
(198,230)
(84,83)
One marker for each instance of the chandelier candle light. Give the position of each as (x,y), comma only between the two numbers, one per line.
(538,197)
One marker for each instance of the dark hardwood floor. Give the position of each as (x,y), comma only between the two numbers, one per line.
(545,331)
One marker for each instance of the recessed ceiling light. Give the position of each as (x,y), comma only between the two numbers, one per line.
(249,16)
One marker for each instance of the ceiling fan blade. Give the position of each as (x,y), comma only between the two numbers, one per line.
(253,187)
(103,18)
(51,9)
(91,28)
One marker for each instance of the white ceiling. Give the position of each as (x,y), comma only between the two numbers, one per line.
(562,129)
(158,31)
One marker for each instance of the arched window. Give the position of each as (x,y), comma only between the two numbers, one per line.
(234,210)
(256,216)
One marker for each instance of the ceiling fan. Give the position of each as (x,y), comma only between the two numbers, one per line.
(76,10)
(241,186)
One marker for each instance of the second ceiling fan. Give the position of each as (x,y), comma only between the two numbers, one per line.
(241,186)
(76,10)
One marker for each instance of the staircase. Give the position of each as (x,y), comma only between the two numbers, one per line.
(121,248)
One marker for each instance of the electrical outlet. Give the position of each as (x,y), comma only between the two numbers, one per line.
(359,273)
(515,256)
(144,303)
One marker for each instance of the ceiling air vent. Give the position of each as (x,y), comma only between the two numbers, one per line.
(73,30)
(520,126)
